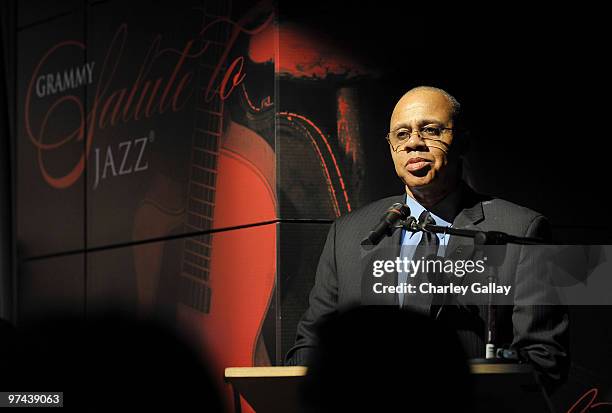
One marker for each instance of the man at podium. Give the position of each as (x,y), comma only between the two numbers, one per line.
(427,140)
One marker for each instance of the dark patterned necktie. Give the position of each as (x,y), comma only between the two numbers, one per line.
(429,241)
(427,246)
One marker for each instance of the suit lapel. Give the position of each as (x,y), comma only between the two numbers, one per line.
(467,219)
(470,214)
(461,248)
(391,252)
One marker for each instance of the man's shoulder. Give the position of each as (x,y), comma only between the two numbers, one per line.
(498,207)
(502,215)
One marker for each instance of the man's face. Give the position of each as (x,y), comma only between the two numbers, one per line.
(419,160)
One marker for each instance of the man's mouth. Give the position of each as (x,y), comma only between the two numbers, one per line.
(415,164)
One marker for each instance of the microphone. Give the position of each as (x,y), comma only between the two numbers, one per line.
(387,224)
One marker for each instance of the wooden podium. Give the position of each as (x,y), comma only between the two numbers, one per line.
(502,388)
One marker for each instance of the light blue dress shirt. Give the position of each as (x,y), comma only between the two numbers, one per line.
(413,238)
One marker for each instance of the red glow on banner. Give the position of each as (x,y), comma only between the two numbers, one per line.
(348,125)
(305,54)
(343,123)
(261,46)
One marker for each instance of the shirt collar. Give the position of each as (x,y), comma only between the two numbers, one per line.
(449,207)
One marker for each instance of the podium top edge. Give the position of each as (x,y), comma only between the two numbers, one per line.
(297,371)
(477,368)
(294,371)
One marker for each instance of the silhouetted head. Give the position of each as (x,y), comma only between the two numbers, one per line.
(110,362)
(387,359)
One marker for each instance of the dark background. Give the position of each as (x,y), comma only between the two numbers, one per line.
(532,81)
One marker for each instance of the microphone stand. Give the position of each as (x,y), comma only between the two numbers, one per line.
(485,237)
(481,240)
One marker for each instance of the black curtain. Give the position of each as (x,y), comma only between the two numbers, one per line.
(7,36)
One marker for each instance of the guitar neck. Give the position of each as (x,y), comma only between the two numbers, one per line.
(194,288)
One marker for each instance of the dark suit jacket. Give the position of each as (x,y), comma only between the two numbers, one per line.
(540,332)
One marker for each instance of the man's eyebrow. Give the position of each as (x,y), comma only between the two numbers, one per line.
(421,122)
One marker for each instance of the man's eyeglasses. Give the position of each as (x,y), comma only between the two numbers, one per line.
(399,137)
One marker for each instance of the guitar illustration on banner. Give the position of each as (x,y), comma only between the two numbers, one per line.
(225,280)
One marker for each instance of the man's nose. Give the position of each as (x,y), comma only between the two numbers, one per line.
(415,142)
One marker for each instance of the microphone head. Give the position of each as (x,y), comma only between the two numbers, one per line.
(401,209)
(395,213)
